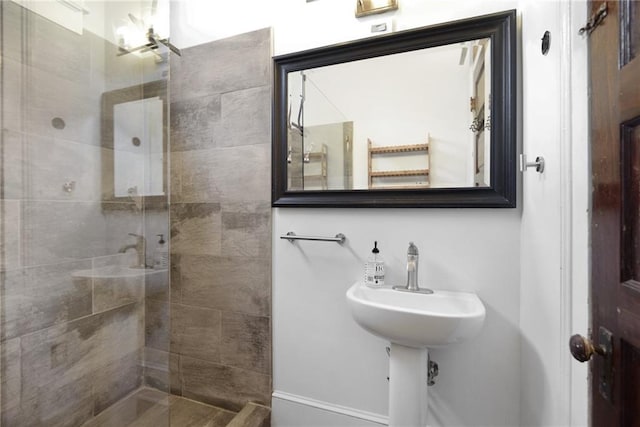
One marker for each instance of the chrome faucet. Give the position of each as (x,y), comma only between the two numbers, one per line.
(412,273)
(412,268)
(140,246)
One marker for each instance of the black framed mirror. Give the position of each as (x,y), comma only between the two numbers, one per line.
(418,118)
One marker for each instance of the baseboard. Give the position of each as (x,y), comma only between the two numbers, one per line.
(289,408)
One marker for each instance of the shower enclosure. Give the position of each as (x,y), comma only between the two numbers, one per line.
(84,326)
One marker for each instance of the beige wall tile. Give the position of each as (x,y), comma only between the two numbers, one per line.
(52,162)
(10,374)
(244,174)
(66,405)
(247,234)
(156,369)
(54,49)
(196,332)
(38,297)
(111,292)
(175,374)
(61,231)
(12,100)
(175,175)
(246,118)
(197,179)
(10,240)
(221,154)
(176,278)
(70,351)
(120,220)
(121,333)
(226,175)
(78,107)
(157,285)
(62,367)
(239,62)
(241,284)
(116,379)
(157,324)
(193,122)
(37,167)
(246,342)
(196,228)
(223,386)
(11,175)
(12,29)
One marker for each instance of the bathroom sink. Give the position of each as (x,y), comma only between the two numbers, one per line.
(115,271)
(414,319)
(116,285)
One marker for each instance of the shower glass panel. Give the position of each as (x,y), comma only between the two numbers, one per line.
(84,327)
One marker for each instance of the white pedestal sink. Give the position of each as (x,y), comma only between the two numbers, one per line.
(414,322)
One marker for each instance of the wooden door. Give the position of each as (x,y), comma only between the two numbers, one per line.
(615,224)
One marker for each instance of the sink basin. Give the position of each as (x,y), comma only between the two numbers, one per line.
(114,272)
(416,320)
(115,285)
(414,323)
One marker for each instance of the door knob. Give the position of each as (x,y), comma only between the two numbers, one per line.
(583,348)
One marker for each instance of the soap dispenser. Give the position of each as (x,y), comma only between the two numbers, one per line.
(374,268)
(161,254)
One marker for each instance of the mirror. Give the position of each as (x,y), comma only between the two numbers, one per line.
(134,135)
(419,118)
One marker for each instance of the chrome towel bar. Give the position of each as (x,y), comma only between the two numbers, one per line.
(291,237)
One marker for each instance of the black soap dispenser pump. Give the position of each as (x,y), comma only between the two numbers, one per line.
(374,268)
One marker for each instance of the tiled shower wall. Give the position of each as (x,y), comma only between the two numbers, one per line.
(69,347)
(221,221)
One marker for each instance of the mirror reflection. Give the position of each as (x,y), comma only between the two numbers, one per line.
(137,139)
(416,119)
(134,136)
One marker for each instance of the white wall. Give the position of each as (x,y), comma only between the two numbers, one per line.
(554,277)
(320,353)
(579,216)
(517,371)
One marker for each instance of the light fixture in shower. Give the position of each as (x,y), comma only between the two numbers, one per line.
(153,43)
(137,36)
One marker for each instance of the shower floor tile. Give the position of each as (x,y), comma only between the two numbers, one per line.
(151,408)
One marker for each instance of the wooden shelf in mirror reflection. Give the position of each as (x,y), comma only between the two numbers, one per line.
(315,168)
(412,172)
(377,176)
(397,148)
